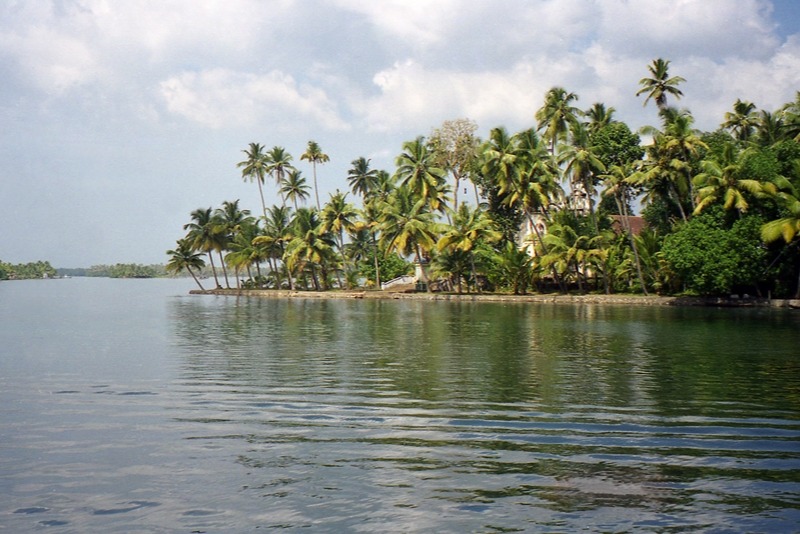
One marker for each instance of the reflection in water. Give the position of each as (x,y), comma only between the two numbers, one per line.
(463,416)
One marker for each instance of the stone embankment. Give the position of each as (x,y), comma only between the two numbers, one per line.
(624,300)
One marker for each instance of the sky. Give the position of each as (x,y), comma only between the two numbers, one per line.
(120,117)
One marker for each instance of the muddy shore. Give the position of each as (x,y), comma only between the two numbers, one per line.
(619,300)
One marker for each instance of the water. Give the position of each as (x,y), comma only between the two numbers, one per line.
(129,406)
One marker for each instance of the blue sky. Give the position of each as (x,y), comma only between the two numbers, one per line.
(119,118)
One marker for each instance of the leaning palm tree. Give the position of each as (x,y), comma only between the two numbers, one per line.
(315,155)
(294,187)
(203,235)
(660,84)
(255,168)
(185,257)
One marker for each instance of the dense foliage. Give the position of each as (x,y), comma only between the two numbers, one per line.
(532,210)
(119,270)
(32,270)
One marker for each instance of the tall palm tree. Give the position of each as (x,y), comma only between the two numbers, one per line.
(315,155)
(770,128)
(742,121)
(659,85)
(311,247)
(339,216)
(786,227)
(230,220)
(582,166)
(556,115)
(277,233)
(185,257)
(361,177)
(278,164)
(294,187)
(255,168)
(417,170)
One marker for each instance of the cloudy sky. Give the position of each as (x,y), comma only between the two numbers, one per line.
(119,117)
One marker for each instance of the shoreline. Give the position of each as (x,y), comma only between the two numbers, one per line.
(615,299)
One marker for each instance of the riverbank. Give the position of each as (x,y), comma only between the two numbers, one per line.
(623,300)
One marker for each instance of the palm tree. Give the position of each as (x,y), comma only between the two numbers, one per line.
(513,267)
(278,164)
(618,187)
(786,227)
(408,227)
(470,228)
(294,187)
(255,168)
(770,128)
(723,180)
(557,115)
(599,117)
(311,247)
(742,121)
(416,170)
(339,216)
(315,155)
(277,233)
(185,257)
(203,235)
(660,84)
(582,165)
(361,178)
(230,220)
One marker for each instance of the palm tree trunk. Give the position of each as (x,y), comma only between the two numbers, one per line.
(195,278)
(214,269)
(377,266)
(316,190)
(626,226)
(224,269)
(544,249)
(422,268)
(261,194)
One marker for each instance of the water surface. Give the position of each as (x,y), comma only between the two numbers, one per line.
(129,406)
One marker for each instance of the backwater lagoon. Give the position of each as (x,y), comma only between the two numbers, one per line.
(132,406)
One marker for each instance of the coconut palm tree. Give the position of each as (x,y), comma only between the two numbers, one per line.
(416,169)
(407,226)
(255,168)
(277,233)
(660,85)
(361,178)
(742,121)
(294,187)
(230,220)
(315,155)
(203,235)
(556,115)
(786,227)
(185,257)
(582,166)
(339,216)
(598,117)
(617,186)
(470,228)
(278,164)
(513,267)
(724,181)
(311,247)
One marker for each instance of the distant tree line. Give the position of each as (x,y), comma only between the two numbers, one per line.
(22,271)
(118,270)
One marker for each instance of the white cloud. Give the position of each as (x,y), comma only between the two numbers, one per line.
(220,98)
